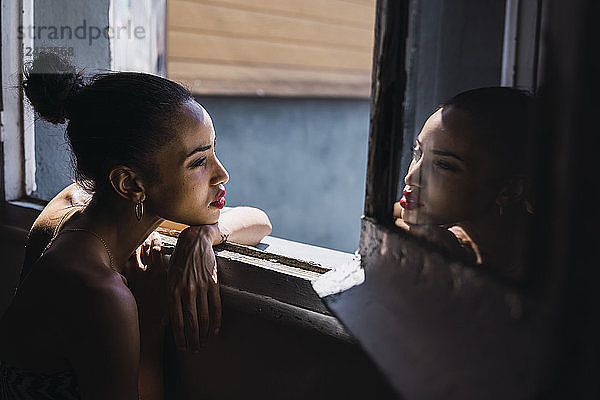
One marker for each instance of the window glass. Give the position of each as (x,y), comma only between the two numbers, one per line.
(466,169)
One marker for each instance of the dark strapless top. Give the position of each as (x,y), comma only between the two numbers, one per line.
(18,384)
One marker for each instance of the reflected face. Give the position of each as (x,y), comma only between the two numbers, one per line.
(191,183)
(448,180)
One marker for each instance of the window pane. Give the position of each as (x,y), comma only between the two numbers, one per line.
(466,163)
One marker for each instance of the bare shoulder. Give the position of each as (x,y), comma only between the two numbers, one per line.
(81,278)
(71,196)
(40,233)
(97,320)
(467,243)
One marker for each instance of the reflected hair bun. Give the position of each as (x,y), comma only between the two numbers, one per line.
(50,83)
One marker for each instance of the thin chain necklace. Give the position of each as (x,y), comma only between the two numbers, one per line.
(56,234)
(110,257)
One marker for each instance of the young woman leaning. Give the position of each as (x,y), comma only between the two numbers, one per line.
(143,150)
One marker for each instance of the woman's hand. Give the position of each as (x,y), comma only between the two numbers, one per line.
(397,210)
(448,239)
(147,278)
(194,298)
(146,273)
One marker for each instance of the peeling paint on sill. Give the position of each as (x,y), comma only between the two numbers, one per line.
(340,278)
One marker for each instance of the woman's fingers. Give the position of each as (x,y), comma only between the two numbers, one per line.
(192,274)
(215,311)
(400,223)
(155,241)
(151,245)
(191,321)
(397,210)
(177,326)
(204,317)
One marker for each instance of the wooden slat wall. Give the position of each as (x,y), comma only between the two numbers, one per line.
(272,47)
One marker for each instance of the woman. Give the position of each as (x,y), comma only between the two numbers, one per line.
(145,148)
(468,185)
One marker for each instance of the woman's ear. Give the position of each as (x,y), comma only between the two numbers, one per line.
(512,191)
(127,183)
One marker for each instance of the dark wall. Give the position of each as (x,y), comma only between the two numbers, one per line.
(260,359)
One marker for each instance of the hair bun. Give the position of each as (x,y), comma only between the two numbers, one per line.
(50,83)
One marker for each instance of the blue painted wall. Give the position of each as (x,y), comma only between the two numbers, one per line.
(303,161)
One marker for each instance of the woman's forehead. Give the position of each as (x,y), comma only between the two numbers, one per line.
(192,129)
(452,131)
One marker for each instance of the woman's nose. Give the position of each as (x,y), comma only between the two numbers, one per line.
(220,176)
(413,176)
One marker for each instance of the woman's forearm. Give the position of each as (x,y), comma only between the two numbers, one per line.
(244,225)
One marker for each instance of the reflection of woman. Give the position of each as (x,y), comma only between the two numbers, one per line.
(470,176)
(146,148)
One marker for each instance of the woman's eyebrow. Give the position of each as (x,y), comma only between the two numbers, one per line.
(198,150)
(448,154)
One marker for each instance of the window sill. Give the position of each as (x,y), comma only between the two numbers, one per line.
(274,280)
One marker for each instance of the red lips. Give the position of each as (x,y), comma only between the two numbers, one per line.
(220,201)
(409,201)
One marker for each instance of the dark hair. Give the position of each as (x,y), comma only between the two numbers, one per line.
(117,118)
(503,119)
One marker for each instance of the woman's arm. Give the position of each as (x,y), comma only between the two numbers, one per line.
(192,288)
(149,286)
(446,238)
(243,225)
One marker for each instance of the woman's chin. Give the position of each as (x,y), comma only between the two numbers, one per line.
(209,219)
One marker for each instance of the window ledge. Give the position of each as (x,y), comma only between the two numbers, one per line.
(281,269)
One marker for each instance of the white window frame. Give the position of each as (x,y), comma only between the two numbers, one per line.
(509,49)
(18,128)
(521,51)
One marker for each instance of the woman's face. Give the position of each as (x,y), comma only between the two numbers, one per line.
(191,178)
(449,179)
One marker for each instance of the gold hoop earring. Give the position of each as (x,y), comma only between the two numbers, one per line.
(139,210)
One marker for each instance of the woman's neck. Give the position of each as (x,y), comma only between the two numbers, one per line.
(113,219)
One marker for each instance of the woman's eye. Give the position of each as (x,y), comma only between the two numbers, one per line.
(198,163)
(417,153)
(445,165)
